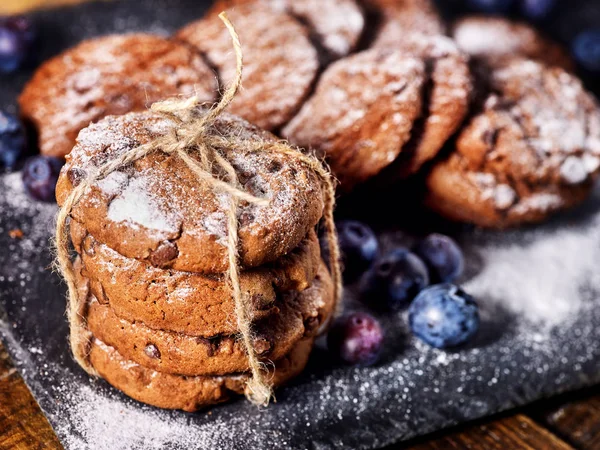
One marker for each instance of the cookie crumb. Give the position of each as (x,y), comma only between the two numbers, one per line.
(16,233)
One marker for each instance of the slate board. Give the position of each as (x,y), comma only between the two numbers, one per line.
(539,291)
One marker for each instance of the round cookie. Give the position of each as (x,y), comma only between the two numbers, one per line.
(336,25)
(280,63)
(398,19)
(145,211)
(370,111)
(187,393)
(186,302)
(533,149)
(496,39)
(108,75)
(361,113)
(301,315)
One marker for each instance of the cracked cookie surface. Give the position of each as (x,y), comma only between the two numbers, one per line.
(187,393)
(156,210)
(113,74)
(186,302)
(302,315)
(280,62)
(532,149)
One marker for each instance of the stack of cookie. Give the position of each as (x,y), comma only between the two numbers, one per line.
(152,256)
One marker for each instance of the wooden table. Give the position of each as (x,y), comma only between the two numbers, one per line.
(568,422)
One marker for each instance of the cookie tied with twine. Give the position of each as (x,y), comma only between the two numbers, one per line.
(194,139)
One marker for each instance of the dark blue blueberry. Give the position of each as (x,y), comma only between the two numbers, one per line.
(40,175)
(586,49)
(358,245)
(444,316)
(442,256)
(537,9)
(356,339)
(17,41)
(492,6)
(12,140)
(394,280)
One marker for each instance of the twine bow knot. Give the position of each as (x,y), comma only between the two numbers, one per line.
(193,133)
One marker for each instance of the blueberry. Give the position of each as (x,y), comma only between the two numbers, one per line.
(17,39)
(356,339)
(40,175)
(443,257)
(492,6)
(12,140)
(586,49)
(537,9)
(444,316)
(394,280)
(358,245)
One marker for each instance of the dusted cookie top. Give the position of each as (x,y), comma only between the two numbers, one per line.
(157,211)
(397,19)
(337,25)
(533,149)
(361,113)
(280,63)
(109,75)
(496,39)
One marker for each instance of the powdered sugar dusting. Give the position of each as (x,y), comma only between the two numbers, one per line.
(138,207)
(555,267)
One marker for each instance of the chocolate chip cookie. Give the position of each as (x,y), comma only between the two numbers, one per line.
(532,149)
(496,39)
(182,392)
(146,212)
(280,61)
(113,74)
(301,316)
(185,302)
(385,107)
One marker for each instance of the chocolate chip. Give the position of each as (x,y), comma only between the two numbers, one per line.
(262,346)
(75,175)
(212,345)
(165,253)
(246,218)
(152,351)
(274,166)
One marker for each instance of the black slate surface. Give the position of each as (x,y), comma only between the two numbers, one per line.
(539,290)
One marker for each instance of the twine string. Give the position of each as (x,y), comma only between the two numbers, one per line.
(193,133)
